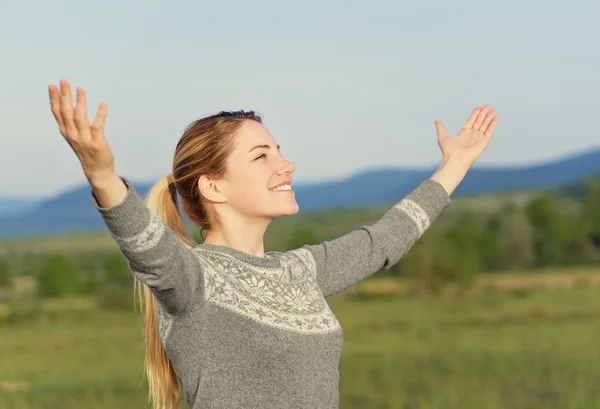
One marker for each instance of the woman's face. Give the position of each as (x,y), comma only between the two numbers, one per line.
(258,179)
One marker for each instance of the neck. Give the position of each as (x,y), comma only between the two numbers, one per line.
(239,235)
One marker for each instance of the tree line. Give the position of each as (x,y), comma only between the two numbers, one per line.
(534,236)
(457,247)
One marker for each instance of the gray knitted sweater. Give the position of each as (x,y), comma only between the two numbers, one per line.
(244,331)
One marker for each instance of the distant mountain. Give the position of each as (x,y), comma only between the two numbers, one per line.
(10,206)
(72,211)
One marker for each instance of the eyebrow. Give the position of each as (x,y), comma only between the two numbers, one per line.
(264,146)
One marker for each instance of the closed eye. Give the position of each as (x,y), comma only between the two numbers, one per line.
(264,155)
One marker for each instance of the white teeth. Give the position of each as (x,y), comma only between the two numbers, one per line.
(283,187)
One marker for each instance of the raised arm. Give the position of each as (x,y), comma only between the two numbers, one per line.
(349,259)
(155,255)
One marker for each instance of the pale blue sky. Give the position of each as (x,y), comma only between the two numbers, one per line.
(343,85)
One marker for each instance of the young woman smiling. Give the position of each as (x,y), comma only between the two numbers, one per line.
(228,325)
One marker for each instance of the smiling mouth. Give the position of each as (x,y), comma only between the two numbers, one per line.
(282,188)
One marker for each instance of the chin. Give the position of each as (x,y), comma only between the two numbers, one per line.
(293,211)
(289,210)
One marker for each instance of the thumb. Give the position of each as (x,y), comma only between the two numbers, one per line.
(441,130)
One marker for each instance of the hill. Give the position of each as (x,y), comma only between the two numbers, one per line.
(10,206)
(72,211)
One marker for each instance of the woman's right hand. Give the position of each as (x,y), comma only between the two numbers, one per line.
(89,143)
(87,140)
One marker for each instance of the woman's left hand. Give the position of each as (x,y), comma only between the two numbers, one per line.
(468,145)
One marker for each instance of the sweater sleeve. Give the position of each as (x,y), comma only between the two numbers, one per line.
(155,255)
(349,259)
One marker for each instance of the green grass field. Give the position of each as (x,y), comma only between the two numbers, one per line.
(497,350)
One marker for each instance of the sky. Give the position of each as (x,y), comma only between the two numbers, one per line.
(343,86)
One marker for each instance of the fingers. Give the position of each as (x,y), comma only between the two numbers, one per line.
(80,118)
(481,117)
(98,124)
(55,108)
(487,120)
(471,120)
(490,129)
(66,109)
(74,123)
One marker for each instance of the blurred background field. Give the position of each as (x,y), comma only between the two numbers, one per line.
(496,306)
(496,349)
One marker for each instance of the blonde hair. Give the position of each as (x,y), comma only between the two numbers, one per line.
(202,150)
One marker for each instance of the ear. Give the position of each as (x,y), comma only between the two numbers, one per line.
(210,189)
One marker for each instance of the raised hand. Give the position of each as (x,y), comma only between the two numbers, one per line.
(472,140)
(87,140)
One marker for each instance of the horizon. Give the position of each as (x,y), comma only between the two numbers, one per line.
(517,166)
(343,89)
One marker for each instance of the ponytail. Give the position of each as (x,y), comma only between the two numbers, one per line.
(164,390)
(162,200)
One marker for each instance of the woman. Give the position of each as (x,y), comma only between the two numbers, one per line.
(228,325)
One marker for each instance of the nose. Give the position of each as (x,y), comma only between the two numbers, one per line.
(285,167)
